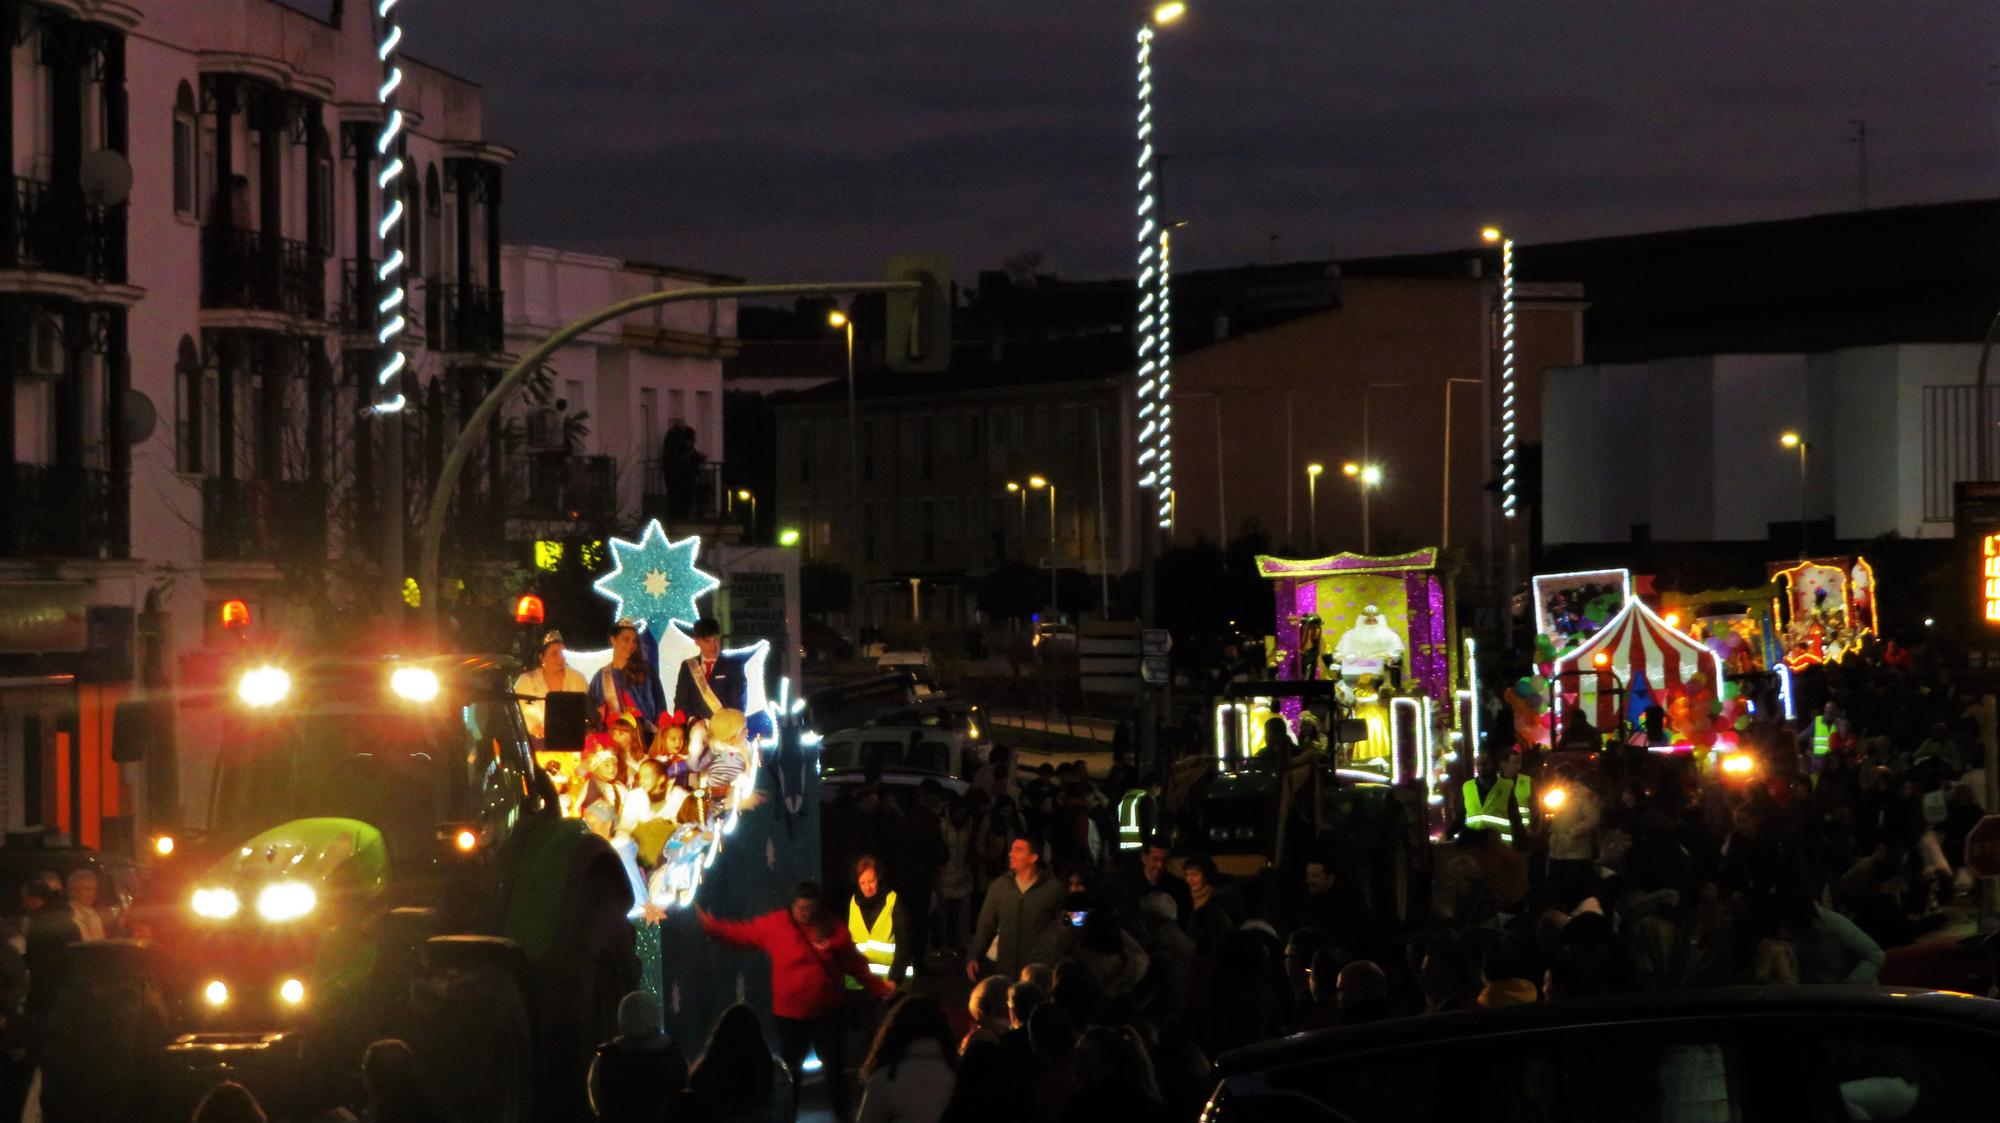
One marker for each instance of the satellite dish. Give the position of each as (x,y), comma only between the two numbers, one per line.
(106,177)
(140,417)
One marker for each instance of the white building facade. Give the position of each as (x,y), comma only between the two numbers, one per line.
(184,388)
(1688,449)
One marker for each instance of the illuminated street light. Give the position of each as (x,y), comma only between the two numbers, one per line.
(1791,439)
(1039,483)
(1366,477)
(1312,504)
(1350,469)
(1155,327)
(788,537)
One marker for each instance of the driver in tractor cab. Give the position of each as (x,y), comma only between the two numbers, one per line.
(1500,799)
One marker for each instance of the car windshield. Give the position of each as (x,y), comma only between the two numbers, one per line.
(380,767)
(925,756)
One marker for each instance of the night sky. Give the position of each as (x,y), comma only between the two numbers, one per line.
(811,139)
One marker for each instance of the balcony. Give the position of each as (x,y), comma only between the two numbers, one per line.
(263,272)
(692,492)
(464,318)
(56,229)
(560,486)
(262,520)
(69,513)
(358,299)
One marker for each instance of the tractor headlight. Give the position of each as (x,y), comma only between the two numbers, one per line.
(414,684)
(216,904)
(1553,800)
(262,687)
(286,900)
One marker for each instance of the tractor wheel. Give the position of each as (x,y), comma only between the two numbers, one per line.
(601,968)
(476,1044)
(104,1038)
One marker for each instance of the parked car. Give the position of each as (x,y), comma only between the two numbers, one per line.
(1824,1054)
(1053,636)
(964,723)
(856,703)
(902,755)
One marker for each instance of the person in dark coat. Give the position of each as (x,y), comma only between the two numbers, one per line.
(710,681)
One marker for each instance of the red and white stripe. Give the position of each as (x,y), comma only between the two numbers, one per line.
(1638,643)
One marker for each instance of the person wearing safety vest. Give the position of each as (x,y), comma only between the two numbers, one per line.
(1825,724)
(1500,799)
(1135,819)
(871,920)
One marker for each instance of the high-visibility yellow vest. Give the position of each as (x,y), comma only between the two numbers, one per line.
(1490,812)
(1133,811)
(878,944)
(1822,735)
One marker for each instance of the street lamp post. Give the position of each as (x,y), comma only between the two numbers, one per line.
(1014,488)
(745,495)
(841,320)
(1790,439)
(1039,483)
(1312,505)
(1365,476)
(1444,530)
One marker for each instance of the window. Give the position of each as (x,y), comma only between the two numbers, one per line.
(432,254)
(649,423)
(704,419)
(320,231)
(188,451)
(676,407)
(184,154)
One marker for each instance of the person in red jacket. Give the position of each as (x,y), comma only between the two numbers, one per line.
(811,960)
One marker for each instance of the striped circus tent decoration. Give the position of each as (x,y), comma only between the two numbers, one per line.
(1642,654)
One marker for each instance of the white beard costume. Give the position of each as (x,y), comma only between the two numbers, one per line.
(1369,642)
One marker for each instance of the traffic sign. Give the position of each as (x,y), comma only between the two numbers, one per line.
(1156,641)
(1982,847)
(1153,670)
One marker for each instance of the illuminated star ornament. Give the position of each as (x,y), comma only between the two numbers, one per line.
(654,580)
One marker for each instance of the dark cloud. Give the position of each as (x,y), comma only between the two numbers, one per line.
(804,138)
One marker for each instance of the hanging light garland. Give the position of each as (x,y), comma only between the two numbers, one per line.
(388,394)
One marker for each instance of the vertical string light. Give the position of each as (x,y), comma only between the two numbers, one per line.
(1154,328)
(388,275)
(1508,444)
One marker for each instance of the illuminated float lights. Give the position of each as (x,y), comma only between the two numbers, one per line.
(1509,440)
(391,324)
(1154,331)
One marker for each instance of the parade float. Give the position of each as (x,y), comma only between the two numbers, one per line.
(1370,681)
(1635,661)
(745,829)
(1826,608)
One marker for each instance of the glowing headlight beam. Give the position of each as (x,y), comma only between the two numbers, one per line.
(261,687)
(414,684)
(286,900)
(216,904)
(388,398)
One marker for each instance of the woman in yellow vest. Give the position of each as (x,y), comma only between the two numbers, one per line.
(871,920)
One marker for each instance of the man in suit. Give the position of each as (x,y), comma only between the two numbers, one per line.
(709,682)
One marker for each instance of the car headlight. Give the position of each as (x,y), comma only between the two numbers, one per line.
(1217,834)
(286,900)
(216,904)
(1245,834)
(262,687)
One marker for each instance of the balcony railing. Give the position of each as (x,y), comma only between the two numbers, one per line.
(689,492)
(69,513)
(58,230)
(248,269)
(358,297)
(262,520)
(464,318)
(558,486)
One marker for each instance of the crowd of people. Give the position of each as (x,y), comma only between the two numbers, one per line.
(1106,975)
